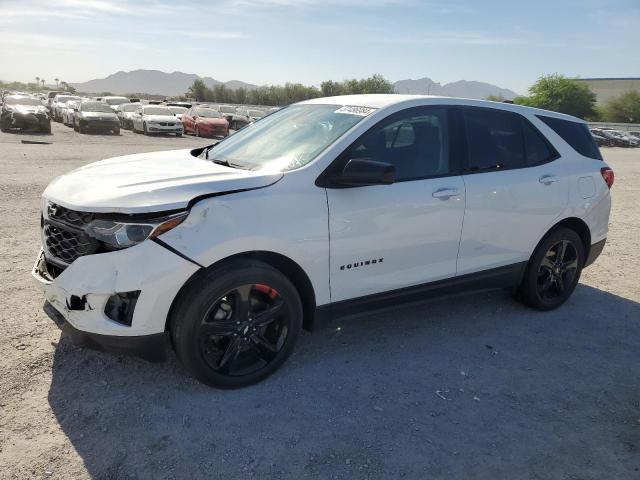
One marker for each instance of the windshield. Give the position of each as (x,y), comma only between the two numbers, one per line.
(157,111)
(95,107)
(22,101)
(178,109)
(116,100)
(207,113)
(256,113)
(130,108)
(224,109)
(287,139)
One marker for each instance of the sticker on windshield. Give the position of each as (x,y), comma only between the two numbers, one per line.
(362,111)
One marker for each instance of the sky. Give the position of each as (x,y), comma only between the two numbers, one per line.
(507,43)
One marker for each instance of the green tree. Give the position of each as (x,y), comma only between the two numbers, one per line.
(560,94)
(495,98)
(624,108)
(199,91)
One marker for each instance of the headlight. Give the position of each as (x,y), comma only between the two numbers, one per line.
(126,234)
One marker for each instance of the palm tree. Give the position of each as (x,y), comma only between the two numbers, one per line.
(57,81)
(42,81)
(37,83)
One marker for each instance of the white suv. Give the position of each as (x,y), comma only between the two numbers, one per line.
(328,207)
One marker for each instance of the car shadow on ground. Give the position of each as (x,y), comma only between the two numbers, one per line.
(472,387)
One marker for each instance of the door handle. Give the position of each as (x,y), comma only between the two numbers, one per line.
(445,193)
(548,179)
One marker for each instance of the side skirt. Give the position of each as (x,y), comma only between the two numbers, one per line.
(497,278)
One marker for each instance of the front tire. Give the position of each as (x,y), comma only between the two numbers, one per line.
(553,270)
(236,324)
(144,129)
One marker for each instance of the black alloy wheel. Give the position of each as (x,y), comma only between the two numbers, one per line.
(244,330)
(234,325)
(554,270)
(557,270)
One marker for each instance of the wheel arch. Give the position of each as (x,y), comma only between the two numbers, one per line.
(288,267)
(577,225)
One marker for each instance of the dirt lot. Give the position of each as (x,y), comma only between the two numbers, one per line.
(477,387)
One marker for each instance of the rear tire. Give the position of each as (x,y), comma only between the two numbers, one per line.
(236,324)
(553,270)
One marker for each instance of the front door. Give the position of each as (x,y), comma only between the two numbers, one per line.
(387,237)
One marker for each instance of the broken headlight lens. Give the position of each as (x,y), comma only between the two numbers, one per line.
(121,234)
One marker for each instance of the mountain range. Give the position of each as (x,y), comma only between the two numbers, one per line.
(461,88)
(177,83)
(152,82)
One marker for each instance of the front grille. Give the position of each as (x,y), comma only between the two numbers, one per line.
(66,244)
(165,124)
(64,237)
(71,217)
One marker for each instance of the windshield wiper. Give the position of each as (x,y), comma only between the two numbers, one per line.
(226,163)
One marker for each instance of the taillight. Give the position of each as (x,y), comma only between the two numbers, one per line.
(607,175)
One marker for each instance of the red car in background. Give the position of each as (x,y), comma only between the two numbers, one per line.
(205,122)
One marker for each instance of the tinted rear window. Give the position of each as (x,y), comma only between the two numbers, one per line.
(575,134)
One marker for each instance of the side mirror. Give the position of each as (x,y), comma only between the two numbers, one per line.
(362,171)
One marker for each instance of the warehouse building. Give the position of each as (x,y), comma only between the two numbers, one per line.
(608,88)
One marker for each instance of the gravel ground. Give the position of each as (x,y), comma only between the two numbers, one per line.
(477,387)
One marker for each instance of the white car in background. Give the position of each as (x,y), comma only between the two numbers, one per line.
(153,119)
(125,113)
(68,111)
(113,102)
(59,103)
(178,111)
(328,207)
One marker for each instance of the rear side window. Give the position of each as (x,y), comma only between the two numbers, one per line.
(494,139)
(536,147)
(575,134)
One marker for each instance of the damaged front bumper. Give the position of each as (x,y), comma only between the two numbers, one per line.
(145,278)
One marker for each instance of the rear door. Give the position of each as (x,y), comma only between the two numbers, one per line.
(516,188)
(387,237)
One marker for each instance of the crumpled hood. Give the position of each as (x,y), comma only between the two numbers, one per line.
(159,118)
(149,182)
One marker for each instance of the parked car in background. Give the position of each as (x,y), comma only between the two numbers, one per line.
(24,112)
(616,140)
(68,112)
(179,104)
(628,140)
(227,111)
(152,119)
(245,116)
(50,98)
(94,116)
(602,141)
(634,134)
(113,102)
(178,111)
(125,114)
(58,105)
(205,122)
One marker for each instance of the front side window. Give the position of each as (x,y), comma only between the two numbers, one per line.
(289,138)
(416,142)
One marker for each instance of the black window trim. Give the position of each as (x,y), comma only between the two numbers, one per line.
(463,140)
(325,178)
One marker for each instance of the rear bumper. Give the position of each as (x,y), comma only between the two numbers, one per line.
(149,347)
(594,252)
